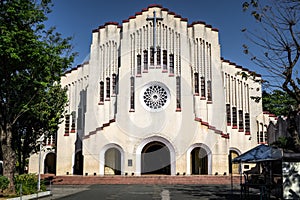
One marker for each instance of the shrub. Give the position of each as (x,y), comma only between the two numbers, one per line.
(29,183)
(3,183)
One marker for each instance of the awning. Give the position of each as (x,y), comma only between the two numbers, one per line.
(260,153)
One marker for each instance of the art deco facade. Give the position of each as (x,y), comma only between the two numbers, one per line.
(155,97)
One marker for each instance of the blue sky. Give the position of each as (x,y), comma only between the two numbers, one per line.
(77,18)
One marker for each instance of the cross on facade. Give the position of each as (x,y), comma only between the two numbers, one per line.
(154,19)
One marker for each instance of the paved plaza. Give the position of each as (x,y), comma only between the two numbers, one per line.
(144,192)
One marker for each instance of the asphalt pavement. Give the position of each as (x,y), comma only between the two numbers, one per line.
(147,192)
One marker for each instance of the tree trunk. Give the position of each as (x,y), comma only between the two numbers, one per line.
(293,120)
(9,156)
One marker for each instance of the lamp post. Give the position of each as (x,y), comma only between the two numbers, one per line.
(40,140)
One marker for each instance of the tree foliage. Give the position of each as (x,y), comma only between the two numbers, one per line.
(32,60)
(277,102)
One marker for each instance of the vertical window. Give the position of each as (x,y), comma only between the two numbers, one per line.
(196,83)
(261,134)
(209,95)
(67,124)
(241,121)
(247,123)
(152,56)
(171,63)
(203,87)
(73,122)
(114,84)
(131,94)
(165,60)
(178,94)
(145,60)
(107,88)
(228,114)
(265,134)
(234,117)
(158,56)
(139,64)
(101,92)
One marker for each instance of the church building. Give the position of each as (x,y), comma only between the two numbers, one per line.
(155,97)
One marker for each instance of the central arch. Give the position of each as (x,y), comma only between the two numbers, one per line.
(154,149)
(156,159)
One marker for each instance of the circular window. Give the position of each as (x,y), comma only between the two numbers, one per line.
(155,96)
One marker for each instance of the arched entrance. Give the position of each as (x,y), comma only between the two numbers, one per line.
(155,159)
(199,161)
(78,163)
(234,168)
(112,162)
(50,163)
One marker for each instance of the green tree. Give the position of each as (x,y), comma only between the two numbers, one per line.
(277,102)
(32,60)
(278,39)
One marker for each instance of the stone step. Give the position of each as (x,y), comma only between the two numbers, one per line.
(144,179)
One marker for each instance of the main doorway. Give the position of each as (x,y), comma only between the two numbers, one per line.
(155,159)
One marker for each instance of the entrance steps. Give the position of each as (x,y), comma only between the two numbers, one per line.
(144,179)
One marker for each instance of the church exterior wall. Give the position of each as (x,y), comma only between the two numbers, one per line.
(183,97)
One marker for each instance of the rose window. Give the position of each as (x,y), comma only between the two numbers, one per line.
(155,97)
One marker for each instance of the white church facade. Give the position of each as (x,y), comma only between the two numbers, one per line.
(155,97)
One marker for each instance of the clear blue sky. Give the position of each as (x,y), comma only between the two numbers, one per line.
(77,18)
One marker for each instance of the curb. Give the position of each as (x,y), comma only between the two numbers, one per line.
(33,196)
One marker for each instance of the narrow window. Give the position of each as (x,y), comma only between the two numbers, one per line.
(158,56)
(178,94)
(67,124)
(196,83)
(241,121)
(265,135)
(101,92)
(209,95)
(151,56)
(203,87)
(73,122)
(247,123)
(228,114)
(261,137)
(145,60)
(171,64)
(114,84)
(131,94)
(107,88)
(139,65)
(165,60)
(234,117)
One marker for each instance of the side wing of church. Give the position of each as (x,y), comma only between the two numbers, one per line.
(155,97)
